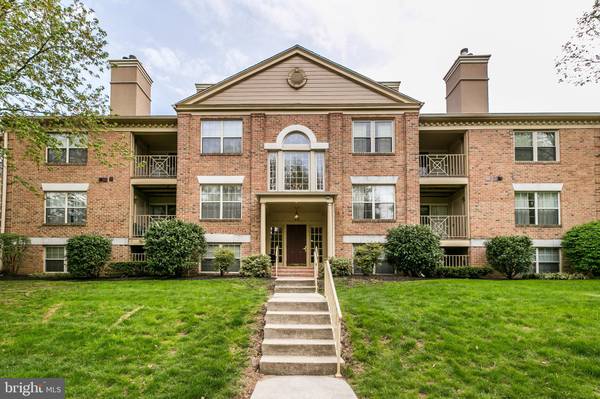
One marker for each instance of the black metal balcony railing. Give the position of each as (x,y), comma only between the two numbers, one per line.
(155,166)
(442,165)
(447,226)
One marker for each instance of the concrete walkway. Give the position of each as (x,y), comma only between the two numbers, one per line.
(302,387)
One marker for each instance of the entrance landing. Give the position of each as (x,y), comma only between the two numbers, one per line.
(302,387)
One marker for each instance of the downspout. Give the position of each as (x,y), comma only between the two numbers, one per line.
(3,193)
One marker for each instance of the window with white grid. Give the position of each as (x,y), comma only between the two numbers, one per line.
(221,201)
(537,208)
(65,207)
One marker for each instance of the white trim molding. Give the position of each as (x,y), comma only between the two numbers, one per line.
(227,238)
(363,239)
(63,241)
(65,186)
(536,243)
(374,179)
(220,179)
(537,186)
(314,144)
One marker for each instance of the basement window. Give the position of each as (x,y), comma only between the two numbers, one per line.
(208,259)
(546,260)
(55,260)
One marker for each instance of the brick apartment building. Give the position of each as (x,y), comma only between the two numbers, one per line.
(298,152)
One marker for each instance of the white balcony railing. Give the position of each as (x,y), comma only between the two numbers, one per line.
(442,165)
(335,312)
(155,166)
(138,256)
(141,223)
(456,260)
(447,226)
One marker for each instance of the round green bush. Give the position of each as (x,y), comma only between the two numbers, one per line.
(256,266)
(509,255)
(367,256)
(581,246)
(173,247)
(224,259)
(414,250)
(340,267)
(87,255)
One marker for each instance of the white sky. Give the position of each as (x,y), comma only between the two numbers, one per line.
(182,42)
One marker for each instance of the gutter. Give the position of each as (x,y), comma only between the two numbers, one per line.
(4,184)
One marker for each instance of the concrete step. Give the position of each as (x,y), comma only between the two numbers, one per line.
(295,281)
(295,274)
(298,365)
(298,347)
(297,302)
(297,317)
(295,288)
(298,331)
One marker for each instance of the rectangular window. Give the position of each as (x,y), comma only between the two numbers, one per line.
(221,136)
(316,241)
(536,146)
(221,201)
(537,208)
(55,259)
(207,263)
(276,243)
(546,260)
(320,161)
(296,170)
(71,149)
(373,202)
(272,171)
(373,136)
(66,207)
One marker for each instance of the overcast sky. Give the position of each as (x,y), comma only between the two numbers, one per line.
(182,42)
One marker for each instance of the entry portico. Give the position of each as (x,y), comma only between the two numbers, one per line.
(293,225)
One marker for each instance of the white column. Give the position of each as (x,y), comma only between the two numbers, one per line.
(330,230)
(263,228)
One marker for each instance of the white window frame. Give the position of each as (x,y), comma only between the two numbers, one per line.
(221,136)
(373,203)
(64,259)
(536,259)
(280,170)
(66,208)
(69,146)
(221,245)
(535,146)
(372,131)
(221,202)
(536,208)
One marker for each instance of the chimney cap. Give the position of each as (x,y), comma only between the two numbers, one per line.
(465,51)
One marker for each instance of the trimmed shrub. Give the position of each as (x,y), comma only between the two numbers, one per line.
(173,247)
(129,269)
(581,246)
(554,276)
(87,255)
(224,259)
(256,266)
(367,256)
(510,255)
(462,272)
(414,250)
(340,267)
(13,248)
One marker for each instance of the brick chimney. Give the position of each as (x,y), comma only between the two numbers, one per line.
(130,87)
(467,84)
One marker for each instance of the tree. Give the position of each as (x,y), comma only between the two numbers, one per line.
(51,53)
(509,255)
(173,247)
(367,256)
(414,250)
(13,247)
(224,259)
(579,62)
(581,245)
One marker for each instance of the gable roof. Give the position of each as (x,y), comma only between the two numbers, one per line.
(380,88)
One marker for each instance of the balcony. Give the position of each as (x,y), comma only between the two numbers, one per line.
(159,166)
(456,260)
(442,165)
(448,227)
(142,223)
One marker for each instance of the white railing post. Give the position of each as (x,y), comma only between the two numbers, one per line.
(276,260)
(335,313)
(316,268)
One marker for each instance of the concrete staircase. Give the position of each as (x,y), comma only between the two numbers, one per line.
(298,337)
(290,271)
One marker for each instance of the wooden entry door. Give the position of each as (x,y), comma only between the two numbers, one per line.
(296,244)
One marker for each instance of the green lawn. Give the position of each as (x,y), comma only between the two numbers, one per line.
(131,339)
(473,339)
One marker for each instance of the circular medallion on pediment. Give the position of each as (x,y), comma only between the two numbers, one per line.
(297,78)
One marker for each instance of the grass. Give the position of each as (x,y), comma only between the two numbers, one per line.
(131,339)
(473,339)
